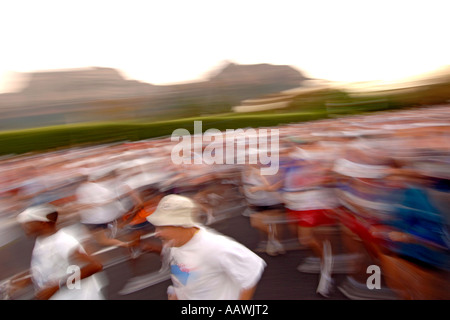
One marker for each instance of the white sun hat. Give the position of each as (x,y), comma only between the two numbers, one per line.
(175,210)
(36,213)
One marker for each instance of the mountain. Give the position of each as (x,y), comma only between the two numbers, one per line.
(55,87)
(81,85)
(102,94)
(262,73)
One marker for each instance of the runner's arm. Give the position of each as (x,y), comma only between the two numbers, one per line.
(247,294)
(90,267)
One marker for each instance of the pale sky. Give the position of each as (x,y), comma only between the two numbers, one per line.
(169,41)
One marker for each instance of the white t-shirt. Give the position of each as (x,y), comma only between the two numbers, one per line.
(319,198)
(304,188)
(50,262)
(212,266)
(251,178)
(107,206)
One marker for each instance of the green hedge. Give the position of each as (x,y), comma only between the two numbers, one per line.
(50,138)
(56,137)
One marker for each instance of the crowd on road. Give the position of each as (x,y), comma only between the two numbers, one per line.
(356,191)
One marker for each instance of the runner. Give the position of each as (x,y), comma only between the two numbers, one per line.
(203,263)
(56,255)
(99,207)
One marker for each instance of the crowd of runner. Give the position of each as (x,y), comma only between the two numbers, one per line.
(355,191)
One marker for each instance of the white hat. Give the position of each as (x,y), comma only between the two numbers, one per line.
(174,210)
(36,213)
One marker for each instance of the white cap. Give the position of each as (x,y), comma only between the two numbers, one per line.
(174,210)
(36,213)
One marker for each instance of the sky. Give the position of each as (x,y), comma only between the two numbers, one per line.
(172,41)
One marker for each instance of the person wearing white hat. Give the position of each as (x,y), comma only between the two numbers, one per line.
(99,207)
(56,256)
(204,264)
